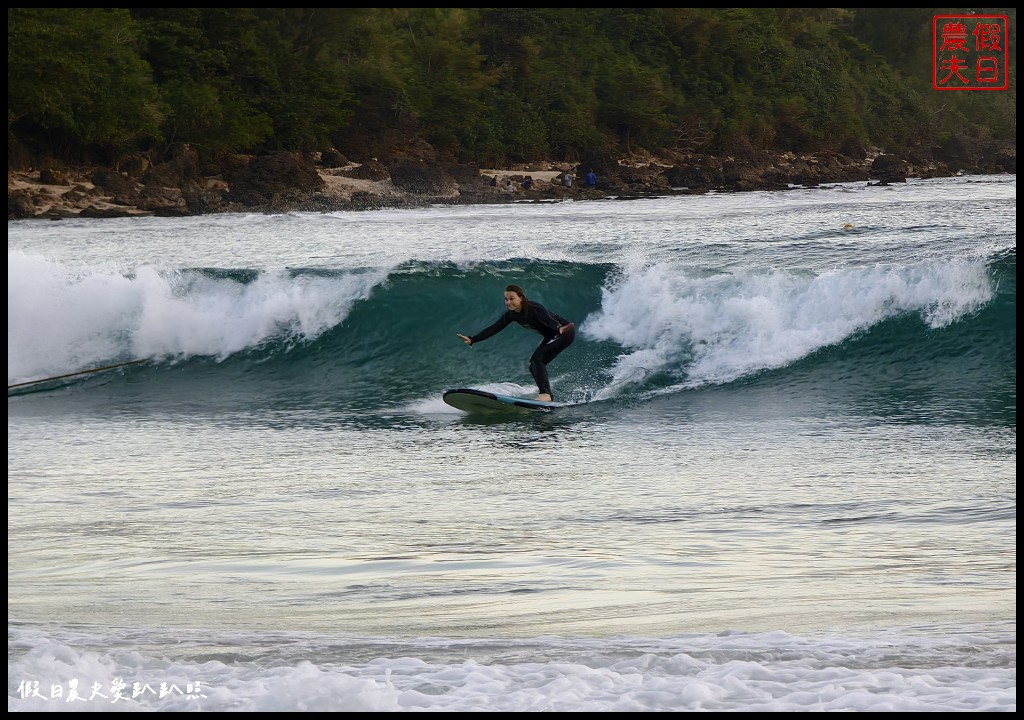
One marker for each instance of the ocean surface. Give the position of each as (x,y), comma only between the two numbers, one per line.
(789,483)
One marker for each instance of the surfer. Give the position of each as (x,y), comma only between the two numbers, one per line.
(558,333)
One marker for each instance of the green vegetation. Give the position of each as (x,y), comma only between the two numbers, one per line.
(490,85)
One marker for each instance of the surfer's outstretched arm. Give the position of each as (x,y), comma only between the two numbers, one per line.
(495,327)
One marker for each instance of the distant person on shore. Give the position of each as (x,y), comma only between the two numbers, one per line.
(567,179)
(528,183)
(591,179)
(510,187)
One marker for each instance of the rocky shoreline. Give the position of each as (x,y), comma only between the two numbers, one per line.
(327,182)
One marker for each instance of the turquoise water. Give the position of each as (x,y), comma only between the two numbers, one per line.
(790,486)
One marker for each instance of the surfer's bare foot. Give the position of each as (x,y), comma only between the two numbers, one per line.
(544,397)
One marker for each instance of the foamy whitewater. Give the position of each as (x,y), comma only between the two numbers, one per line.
(788,483)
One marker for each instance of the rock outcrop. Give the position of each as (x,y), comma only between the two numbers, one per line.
(327,182)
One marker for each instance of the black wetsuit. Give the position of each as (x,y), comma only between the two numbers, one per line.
(538,318)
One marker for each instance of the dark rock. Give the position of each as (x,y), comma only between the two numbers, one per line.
(364,201)
(1005,163)
(52,176)
(20,205)
(201,199)
(958,150)
(273,181)
(233,167)
(163,201)
(742,175)
(371,170)
(184,166)
(284,182)
(114,183)
(649,179)
(332,158)
(59,213)
(889,169)
(134,165)
(999,158)
(464,173)
(163,175)
(702,172)
(95,212)
(422,178)
(853,148)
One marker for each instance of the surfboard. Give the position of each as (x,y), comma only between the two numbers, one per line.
(477,401)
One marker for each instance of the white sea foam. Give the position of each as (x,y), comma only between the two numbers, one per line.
(62,319)
(895,671)
(722,326)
